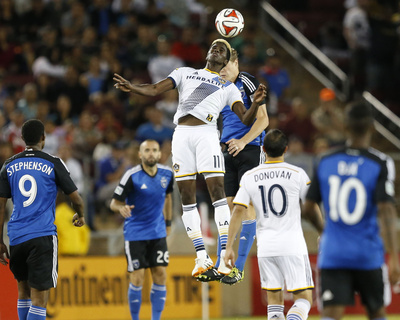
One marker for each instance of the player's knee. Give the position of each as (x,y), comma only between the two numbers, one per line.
(377,314)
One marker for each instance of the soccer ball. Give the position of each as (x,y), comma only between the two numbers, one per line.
(229,23)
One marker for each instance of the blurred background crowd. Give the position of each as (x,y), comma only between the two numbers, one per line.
(58,57)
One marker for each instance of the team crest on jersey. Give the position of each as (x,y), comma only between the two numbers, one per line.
(164,182)
(209,117)
(222,81)
(176,167)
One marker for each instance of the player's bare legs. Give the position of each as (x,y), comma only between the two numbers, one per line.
(24,299)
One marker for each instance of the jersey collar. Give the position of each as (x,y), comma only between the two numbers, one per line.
(279,161)
(211,71)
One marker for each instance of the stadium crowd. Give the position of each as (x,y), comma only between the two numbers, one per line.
(57,60)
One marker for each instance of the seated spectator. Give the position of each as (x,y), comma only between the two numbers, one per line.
(162,64)
(297,156)
(52,139)
(49,62)
(188,49)
(11,133)
(154,129)
(29,101)
(168,106)
(276,78)
(109,173)
(142,48)
(328,117)
(74,22)
(298,123)
(62,111)
(104,147)
(94,78)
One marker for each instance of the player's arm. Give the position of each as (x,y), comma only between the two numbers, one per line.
(235,224)
(3,248)
(388,223)
(143,89)
(247,116)
(257,128)
(121,207)
(77,204)
(168,212)
(312,213)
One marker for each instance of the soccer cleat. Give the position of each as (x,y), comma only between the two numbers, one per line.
(210,275)
(233,277)
(223,268)
(202,265)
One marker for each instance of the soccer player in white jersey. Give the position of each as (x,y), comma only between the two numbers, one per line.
(276,190)
(195,143)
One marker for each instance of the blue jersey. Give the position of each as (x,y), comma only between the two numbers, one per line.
(350,183)
(31,179)
(232,127)
(147,194)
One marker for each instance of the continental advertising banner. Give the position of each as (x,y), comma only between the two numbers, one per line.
(95,288)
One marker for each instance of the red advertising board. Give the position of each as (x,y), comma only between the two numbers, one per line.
(259,297)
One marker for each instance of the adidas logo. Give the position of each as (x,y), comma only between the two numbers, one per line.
(274,316)
(195,73)
(143,186)
(327,295)
(243,238)
(136,300)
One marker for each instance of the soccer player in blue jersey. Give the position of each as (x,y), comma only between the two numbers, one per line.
(195,143)
(355,185)
(143,198)
(242,152)
(31,179)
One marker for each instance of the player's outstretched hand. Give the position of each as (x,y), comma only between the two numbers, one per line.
(121,83)
(235,146)
(260,93)
(78,221)
(4,254)
(229,257)
(125,210)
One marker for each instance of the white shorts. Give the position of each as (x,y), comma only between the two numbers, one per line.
(196,149)
(295,271)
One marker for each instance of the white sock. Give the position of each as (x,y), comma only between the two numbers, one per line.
(192,222)
(222,217)
(299,310)
(275,312)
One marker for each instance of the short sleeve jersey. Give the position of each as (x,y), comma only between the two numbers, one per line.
(147,194)
(350,183)
(203,94)
(276,190)
(232,127)
(31,179)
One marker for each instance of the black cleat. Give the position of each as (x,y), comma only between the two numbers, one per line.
(210,275)
(234,277)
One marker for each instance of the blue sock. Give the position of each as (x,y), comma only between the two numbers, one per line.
(157,298)
(36,313)
(135,300)
(245,242)
(23,306)
(218,254)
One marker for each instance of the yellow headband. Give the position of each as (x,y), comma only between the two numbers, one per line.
(227,45)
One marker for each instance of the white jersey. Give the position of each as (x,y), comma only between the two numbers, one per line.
(276,189)
(203,94)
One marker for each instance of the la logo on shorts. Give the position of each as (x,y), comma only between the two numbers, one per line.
(210,117)
(176,167)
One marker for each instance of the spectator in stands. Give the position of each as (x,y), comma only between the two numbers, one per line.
(49,62)
(187,49)
(52,139)
(298,123)
(89,44)
(142,48)
(101,16)
(74,166)
(108,121)
(34,19)
(154,129)
(328,117)
(9,17)
(109,173)
(297,156)
(356,32)
(162,64)
(74,22)
(277,80)
(94,78)
(85,136)
(6,151)
(7,50)
(104,147)
(71,87)
(29,101)
(168,105)
(11,133)
(62,111)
